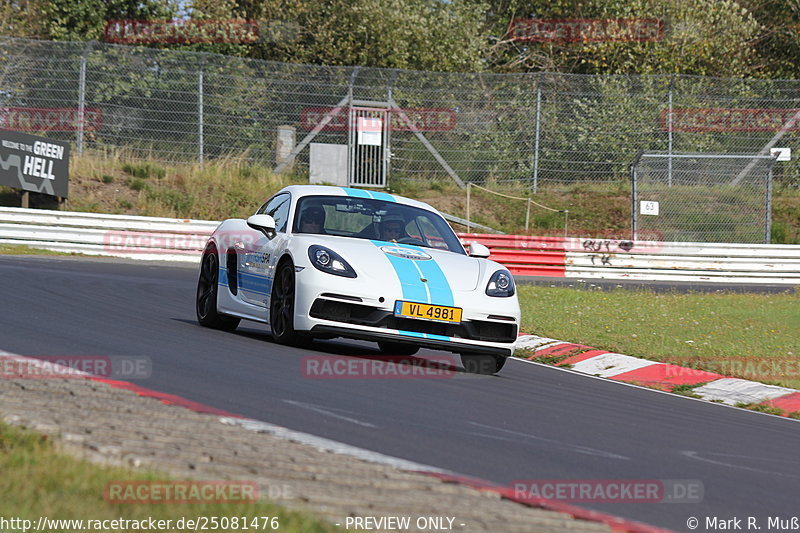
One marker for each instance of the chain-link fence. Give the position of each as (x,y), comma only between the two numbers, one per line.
(537,130)
(702,197)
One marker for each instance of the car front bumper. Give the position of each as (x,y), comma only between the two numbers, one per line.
(424,340)
(355,308)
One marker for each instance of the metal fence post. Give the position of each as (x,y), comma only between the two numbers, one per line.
(635,192)
(633,202)
(200,149)
(469,187)
(669,129)
(536,137)
(388,148)
(352,135)
(527,214)
(82,96)
(768,215)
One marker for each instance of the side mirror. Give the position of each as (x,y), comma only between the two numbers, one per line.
(263,223)
(476,249)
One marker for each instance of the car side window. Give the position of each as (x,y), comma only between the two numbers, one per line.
(277,208)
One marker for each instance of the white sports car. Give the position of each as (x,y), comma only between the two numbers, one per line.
(325,262)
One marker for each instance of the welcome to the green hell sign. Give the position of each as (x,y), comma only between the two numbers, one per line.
(34,164)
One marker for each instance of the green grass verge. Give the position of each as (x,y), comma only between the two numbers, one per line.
(21,249)
(761,408)
(39,481)
(752,336)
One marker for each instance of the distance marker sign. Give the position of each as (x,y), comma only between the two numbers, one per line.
(34,164)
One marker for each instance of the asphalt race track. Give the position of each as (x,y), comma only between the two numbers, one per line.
(528,422)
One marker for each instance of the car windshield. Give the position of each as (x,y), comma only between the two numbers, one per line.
(364,218)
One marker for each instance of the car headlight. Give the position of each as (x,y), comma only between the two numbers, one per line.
(327,260)
(501,284)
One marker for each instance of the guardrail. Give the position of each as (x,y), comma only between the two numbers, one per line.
(523,255)
(151,238)
(650,260)
(134,237)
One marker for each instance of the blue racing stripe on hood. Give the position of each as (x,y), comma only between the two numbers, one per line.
(439,287)
(413,288)
(436,290)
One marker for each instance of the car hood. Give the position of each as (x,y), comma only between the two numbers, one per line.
(442,270)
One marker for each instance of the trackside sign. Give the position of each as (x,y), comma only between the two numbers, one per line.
(35,164)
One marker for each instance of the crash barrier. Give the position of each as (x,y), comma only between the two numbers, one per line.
(651,260)
(523,255)
(134,237)
(151,238)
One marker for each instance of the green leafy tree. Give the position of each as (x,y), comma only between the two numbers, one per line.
(83,20)
(409,34)
(704,37)
(778,43)
(18,18)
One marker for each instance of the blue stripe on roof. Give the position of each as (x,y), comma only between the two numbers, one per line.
(378,195)
(358,193)
(363,193)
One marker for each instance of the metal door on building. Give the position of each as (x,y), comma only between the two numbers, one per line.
(368,143)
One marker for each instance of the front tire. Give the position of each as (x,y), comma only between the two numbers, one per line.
(479,363)
(281,308)
(206,299)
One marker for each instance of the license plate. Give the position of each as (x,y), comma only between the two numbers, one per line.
(437,313)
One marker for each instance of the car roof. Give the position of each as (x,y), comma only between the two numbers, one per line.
(298,191)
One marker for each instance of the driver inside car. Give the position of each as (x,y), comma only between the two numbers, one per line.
(392,228)
(312,220)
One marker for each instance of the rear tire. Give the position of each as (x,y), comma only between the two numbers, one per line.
(281,308)
(479,363)
(206,300)
(397,348)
